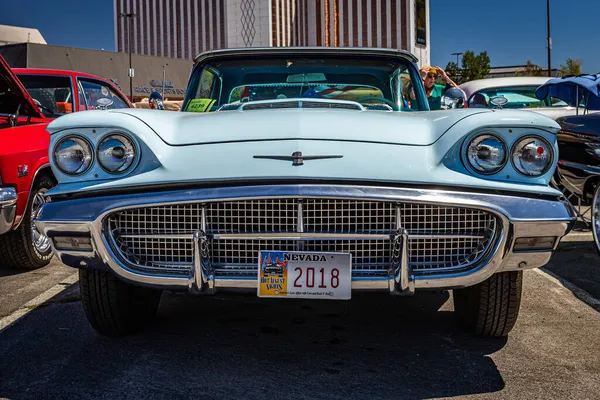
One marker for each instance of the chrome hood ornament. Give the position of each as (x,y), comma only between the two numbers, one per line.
(297,158)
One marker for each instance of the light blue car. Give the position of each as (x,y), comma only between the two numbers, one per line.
(304,173)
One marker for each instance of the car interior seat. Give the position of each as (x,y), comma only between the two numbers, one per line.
(478,101)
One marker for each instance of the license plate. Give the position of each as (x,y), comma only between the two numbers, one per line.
(305,275)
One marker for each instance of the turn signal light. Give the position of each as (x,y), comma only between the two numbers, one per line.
(535,243)
(79,243)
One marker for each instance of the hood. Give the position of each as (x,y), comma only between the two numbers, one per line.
(13,95)
(402,128)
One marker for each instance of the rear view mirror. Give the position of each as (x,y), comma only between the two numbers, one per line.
(300,78)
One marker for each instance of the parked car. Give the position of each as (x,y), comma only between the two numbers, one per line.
(519,92)
(578,171)
(29,99)
(287,154)
(60,92)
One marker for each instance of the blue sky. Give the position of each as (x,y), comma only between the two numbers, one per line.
(512,31)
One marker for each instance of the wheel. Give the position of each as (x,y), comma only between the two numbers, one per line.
(25,247)
(113,307)
(596,218)
(491,307)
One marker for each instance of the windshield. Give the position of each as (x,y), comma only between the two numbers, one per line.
(376,83)
(517,96)
(52,93)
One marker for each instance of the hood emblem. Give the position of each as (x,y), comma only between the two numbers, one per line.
(297,158)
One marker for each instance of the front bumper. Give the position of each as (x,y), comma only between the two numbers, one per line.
(8,208)
(520,217)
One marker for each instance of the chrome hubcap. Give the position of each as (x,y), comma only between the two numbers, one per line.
(40,241)
(596,218)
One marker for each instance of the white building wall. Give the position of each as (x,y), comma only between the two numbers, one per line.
(423,53)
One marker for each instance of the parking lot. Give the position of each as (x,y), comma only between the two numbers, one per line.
(374,346)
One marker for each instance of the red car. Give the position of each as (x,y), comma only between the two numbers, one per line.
(29,100)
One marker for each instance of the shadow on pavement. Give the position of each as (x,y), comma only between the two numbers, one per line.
(6,271)
(577,262)
(234,346)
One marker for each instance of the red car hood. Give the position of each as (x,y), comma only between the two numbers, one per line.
(14,96)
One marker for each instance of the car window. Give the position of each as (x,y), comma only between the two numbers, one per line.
(52,93)
(517,96)
(375,83)
(99,95)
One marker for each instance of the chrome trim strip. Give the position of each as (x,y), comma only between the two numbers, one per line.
(515,208)
(298,236)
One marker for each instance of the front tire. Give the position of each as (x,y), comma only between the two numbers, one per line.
(490,308)
(25,247)
(113,307)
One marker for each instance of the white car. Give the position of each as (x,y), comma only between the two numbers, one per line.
(520,93)
(303,173)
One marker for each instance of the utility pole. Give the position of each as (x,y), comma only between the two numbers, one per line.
(130,73)
(164,78)
(457,64)
(549,37)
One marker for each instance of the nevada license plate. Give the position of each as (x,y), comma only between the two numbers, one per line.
(305,275)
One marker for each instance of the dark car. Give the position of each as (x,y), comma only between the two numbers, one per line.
(579,164)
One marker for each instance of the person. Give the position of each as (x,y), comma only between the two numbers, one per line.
(434,91)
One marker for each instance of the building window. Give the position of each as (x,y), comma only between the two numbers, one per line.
(421,22)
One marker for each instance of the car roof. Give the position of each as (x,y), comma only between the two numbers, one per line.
(258,51)
(47,71)
(474,86)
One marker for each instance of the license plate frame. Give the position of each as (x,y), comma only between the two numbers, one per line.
(304,275)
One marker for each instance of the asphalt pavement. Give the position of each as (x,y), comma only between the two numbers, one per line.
(374,346)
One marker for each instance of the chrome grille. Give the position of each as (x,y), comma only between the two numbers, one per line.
(243,254)
(172,219)
(348,216)
(271,215)
(442,239)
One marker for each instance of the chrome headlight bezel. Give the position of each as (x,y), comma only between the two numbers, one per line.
(128,138)
(483,136)
(550,150)
(86,142)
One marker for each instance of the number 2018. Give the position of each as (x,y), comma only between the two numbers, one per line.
(333,279)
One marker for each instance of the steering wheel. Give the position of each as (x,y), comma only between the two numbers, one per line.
(381,99)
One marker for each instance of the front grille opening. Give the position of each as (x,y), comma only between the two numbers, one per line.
(443,239)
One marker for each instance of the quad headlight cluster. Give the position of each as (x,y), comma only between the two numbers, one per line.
(530,155)
(115,153)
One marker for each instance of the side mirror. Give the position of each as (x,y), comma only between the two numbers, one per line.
(103,103)
(155,101)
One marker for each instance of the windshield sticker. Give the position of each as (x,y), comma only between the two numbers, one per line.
(200,105)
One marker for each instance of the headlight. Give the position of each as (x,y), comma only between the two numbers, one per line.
(116,153)
(73,155)
(532,156)
(487,154)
